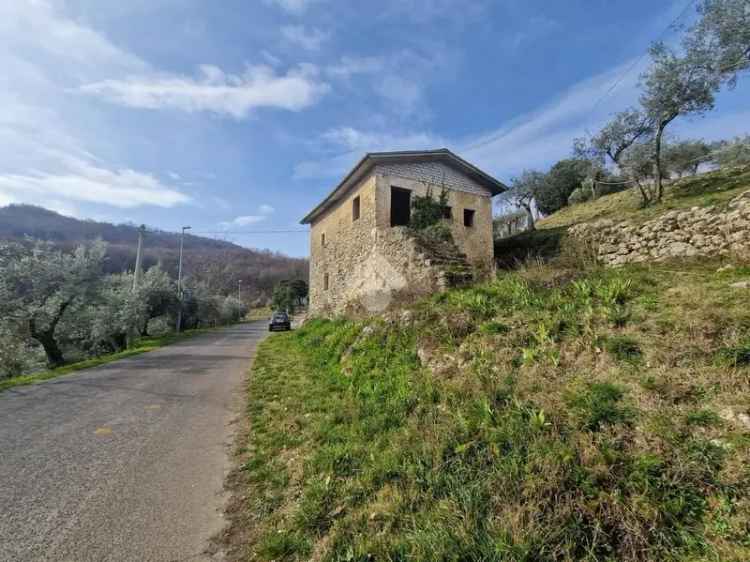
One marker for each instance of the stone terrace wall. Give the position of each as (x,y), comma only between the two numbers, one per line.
(700,231)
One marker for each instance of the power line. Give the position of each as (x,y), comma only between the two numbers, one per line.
(249,232)
(627,71)
(684,11)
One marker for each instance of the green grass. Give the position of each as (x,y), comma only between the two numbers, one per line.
(143,345)
(712,188)
(547,415)
(549,240)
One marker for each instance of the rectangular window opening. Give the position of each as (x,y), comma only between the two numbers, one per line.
(323,239)
(469,217)
(447,213)
(325,281)
(400,206)
(355,208)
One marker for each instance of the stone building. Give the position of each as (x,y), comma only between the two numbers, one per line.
(362,255)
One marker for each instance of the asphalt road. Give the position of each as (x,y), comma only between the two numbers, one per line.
(125,461)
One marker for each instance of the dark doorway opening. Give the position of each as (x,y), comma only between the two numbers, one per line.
(468,217)
(400,206)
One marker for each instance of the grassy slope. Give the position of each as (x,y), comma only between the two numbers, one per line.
(554,415)
(712,188)
(142,346)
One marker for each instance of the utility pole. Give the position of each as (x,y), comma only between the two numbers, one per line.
(138,257)
(179,280)
(239,297)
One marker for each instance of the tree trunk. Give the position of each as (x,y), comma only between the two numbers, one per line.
(51,349)
(644,196)
(657,161)
(47,337)
(530,214)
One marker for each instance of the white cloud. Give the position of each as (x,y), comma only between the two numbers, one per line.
(88,183)
(34,27)
(348,145)
(174,175)
(350,66)
(295,7)
(543,136)
(45,159)
(245,220)
(263,212)
(215,91)
(399,90)
(270,58)
(309,38)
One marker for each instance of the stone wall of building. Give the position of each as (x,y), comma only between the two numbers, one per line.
(369,263)
(474,241)
(700,231)
(435,174)
(347,244)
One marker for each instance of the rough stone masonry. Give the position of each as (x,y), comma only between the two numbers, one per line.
(699,231)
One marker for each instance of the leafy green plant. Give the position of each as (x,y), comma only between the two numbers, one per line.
(598,404)
(623,348)
(736,356)
(426,210)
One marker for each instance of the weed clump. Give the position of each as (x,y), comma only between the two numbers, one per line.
(623,348)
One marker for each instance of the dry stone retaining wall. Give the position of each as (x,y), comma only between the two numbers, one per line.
(700,231)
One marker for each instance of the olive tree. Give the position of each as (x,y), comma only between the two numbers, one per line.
(675,85)
(733,153)
(685,157)
(523,191)
(722,36)
(624,129)
(158,294)
(39,283)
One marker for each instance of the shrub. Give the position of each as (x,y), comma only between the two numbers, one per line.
(428,211)
(579,195)
(623,348)
(598,404)
(738,356)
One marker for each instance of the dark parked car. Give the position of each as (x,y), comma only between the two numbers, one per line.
(279,321)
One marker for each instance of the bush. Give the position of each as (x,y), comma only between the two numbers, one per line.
(623,348)
(579,195)
(734,153)
(427,211)
(598,404)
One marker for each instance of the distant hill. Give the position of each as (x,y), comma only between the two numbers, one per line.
(218,263)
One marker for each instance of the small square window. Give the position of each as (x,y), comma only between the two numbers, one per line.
(325,281)
(355,208)
(323,239)
(468,217)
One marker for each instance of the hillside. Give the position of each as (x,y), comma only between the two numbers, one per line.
(562,411)
(712,189)
(219,263)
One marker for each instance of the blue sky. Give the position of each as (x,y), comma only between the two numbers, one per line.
(241,115)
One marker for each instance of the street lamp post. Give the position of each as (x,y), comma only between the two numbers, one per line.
(179,280)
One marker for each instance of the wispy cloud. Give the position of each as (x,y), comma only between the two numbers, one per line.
(349,66)
(295,7)
(46,158)
(346,145)
(534,140)
(309,38)
(86,182)
(541,137)
(246,220)
(215,91)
